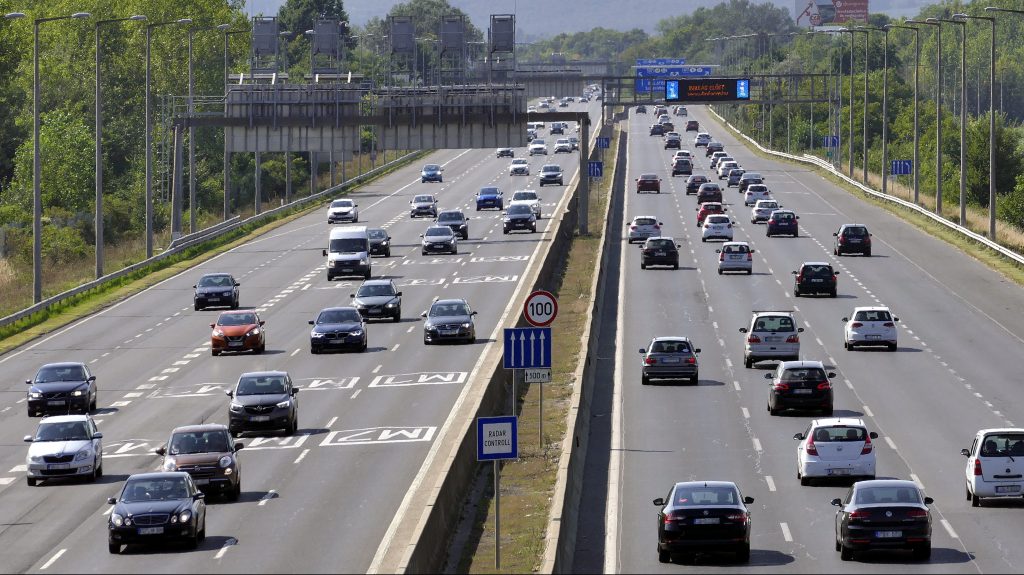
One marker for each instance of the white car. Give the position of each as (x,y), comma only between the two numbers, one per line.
(715,156)
(835,447)
(563,145)
(519,167)
(995,464)
(681,154)
(702,139)
(735,257)
(724,167)
(643,227)
(64,446)
(716,227)
(762,210)
(528,197)
(538,146)
(343,211)
(663,118)
(755,193)
(870,326)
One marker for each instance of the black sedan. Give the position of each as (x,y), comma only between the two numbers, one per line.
(661,251)
(337,328)
(380,242)
(449,320)
(264,400)
(800,385)
(883,514)
(439,239)
(156,507)
(62,388)
(703,516)
(215,290)
(694,182)
(378,299)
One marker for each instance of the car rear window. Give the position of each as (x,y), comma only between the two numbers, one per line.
(855,231)
(705,495)
(670,346)
(718,219)
(869,495)
(804,374)
(660,244)
(816,271)
(757,188)
(645,221)
(648,176)
(736,249)
(839,433)
(782,216)
(996,444)
(872,315)
(774,323)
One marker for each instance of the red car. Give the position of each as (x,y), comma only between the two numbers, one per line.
(240,330)
(707,208)
(692,126)
(648,183)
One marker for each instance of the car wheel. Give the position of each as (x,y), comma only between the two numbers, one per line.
(294,427)
(695,380)
(891,347)
(424,252)
(92,404)
(113,548)
(504,232)
(97,471)
(743,553)
(827,412)
(643,266)
(644,380)
(804,480)
(455,250)
(835,252)
(193,542)
(846,346)
(387,254)
(967,490)
(426,341)
(664,556)
(198,307)
(215,352)
(675,266)
(397,317)
(202,532)
(975,500)
(923,552)
(719,271)
(234,304)
(832,293)
(845,553)
(748,362)
(314,350)
(235,493)
(773,410)
(30,481)
(703,240)
(867,254)
(262,348)
(796,292)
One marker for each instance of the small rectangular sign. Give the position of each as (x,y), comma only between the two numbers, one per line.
(595,169)
(497,438)
(527,347)
(538,375)
(660,62)
(830,141)
(604,142)
(902,167)
(707,90)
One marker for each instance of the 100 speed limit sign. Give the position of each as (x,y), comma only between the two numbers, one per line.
(540,308)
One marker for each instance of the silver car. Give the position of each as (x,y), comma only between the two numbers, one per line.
(64,446)
(771,335)
(669,358)
(643,227)
(423,205)
(735,257)
(762,210)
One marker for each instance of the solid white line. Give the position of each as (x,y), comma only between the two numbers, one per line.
(848,383)
(771,482)
(949,529)
(785,532)
(52,559)
(746,413)
(867,411)
(331,422)
(916,480)
(301,456)
(890,442)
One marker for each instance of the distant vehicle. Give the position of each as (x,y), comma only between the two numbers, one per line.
(835,448)
(456,220)
(64,446)
(575,142)
(648,183)
(431,173)
(208,454)
(155,507)
(378,299)
(713,147)
(673,141)
(692,126)
(870,326)
(782,222)
(716,227)
(659,251)
(669,358)
(702,139)
(263,400)
(733,178)
(749,179)
(815,278)
(519,167)
(709,192)
(449,320)
(238,331)
(706,209)
(762,210)
(643,227)
(557,127)
(64,388)
(771,335)
(217,289)
(489,197)
(883,514)
(694,182)
(538,146)
(343,210)
(641,109)
(380,242)
(800,385)
(550,174)
(852,239)
(337,328)
(529,198)
(519,216)
(735,257)
(682,166)
(423,205)
(995,465)
(756,193)
(439,239)
(505,153)
(657,130)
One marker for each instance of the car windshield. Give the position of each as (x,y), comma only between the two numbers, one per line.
(423,199)
(264,384)
(803,374)
(431,168)
(887,495)
(710,188)
(215,281)
(438,232)
(661,244)
(1003,444)
(872,315)
(344,315)
(342,204)
(448,309)
(373,290)
(774,323)
(515,209)
(717,220)
(839,433)
(62,373)
(519,161)
(524,196)
(199,442)
(377,234)
(163,489)
(538,142)
(785,216)
(489,191)
(855,231)
(816,271)
(236,319)
(687,496)
(711,207)
(645,221)
(62,431)
(450,217)
(347,245)
(551,169)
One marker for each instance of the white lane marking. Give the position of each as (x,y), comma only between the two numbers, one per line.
(133,394)
(269,495)
(224,549)
(396,347)
(170,370)
(746,413)
(848,383)
(19,468)
(119,403)
(728,363)
(376,369)
(296,352)
(356,394)
(785,532)
(55,557)
(190,355)
(757,443)
(892,445)
(158,378)
(916,480)
(411,327)
(822,344)
(771,482)
(331,422)
(867,411)
(301,456)
(736,385)
(949,529)
(6,480)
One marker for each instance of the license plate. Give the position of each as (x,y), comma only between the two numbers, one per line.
(335,341)
(659,253)
(772,338)
(448,332)
(347,270)
(57,402)
(736,257)
(800,391)
(150,530)
(59,466)
(201,481)
(888,534)
(853,241)
(235,343)
(259,418)
(439,246)
(1007,488)
(838,471)
(816,280)
(706,521)
(670,360)
(874,337)
(373,311)
(213,299)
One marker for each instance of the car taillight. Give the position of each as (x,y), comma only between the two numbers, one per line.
(750,257)
(856,324)
(780,386)
(811,449)
(657,227)
(691,361)
(793,339)
(740,518)
(842,239)
(889,324)
(800,278)
(670,517)
(859,514)
(771,221)
(917,514)
(721,257)
(753,339)
(977,467)
(867,446)
(650,361)
(867,241)
(824,386)
(632,227)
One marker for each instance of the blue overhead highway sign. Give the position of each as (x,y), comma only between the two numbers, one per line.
(603,142)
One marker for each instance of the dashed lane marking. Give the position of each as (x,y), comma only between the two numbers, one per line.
(785,532)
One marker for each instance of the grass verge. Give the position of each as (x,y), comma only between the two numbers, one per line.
(527,484)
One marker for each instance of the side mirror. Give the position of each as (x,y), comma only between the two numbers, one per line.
(831,374)
(661,223)
(928,501)
(798,436)
(111,500)
(696,350)
(199,496)
(295,391)
(474,313)
(846,319)
(837,502)
(768,376)
(27,439)
(753,251)
(642,350)
(743,330)
(311,322)
(718,251)
(28,382)
(836,273)
(424,314)
(679,245)
(798,217)
(895,319)
(659,502)
(836,234)
(873,435)
(794,272)
(325,253)
(239,445)
(398,294)
(212,325)
(748,500)
(351,295)
(263,322)
(194,286)
(964,452)
(229,393)
(98,435)
(237,284)
(421,235)
(799,330)
(162,450)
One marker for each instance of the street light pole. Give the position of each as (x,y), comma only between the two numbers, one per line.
(227,154)
(963,115)
(938,110)
(191,128)
(992,121)
(885,108)
(917,65)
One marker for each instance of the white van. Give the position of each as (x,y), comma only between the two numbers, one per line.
(348,252)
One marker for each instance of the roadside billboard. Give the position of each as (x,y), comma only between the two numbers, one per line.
(821,12)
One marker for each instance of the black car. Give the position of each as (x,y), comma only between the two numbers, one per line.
(439,239)
(550,174)
(657,130)
(673,142)
(682,166)
(62,388)
(215,290)
(709,192)
(157,507)
(852,239)
(456,220)
(557,128)
(641,109)
(519,217)
(815,278)
(660,251)
(713,147)
(701,517)
(449,320)
(800,385)
(337,328)
(378,299)
(668,127)
(694,182)
(750,178)
(883,514)
(380,242)
(782,222)
(265,400)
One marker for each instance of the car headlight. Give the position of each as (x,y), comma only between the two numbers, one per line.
(77,393)
(362,261)
(315,334)
(169,465)
(467,325)
(384,243)
(36,458)
(392,305)
(225,461)
(253,331)
(116,520)
(185,516)
(235,407)
(83,455)
(282,405)
(35,395)
(506,219)
(357,333)
(218,333)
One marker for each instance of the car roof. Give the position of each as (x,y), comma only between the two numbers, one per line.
(449,301)
(277,372)
(215,274)
(199,428)
(669,238)
(450,212)
(1000,430)
(671,338)
(705,484)
(801,364)
(438,227)
(871,308)
(772,312)
(551,166)
(379,282)
(837,421)
(63,364)
(639,217)
(65,418)
(885,483)
(736,244)
(158,475)
(816,264)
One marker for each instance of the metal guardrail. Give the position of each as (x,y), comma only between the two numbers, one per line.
(810,159)
(185,242)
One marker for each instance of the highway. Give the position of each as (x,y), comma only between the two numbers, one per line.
(956,371)
(322,500)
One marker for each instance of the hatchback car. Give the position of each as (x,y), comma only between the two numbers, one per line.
(735,257)
(852,239)
(218,289)
(716,227)
(755,193)
(669,358)
(706,209)
(713,147)
(883,514)
(703,516)
(337,328)
(701,139)
(538,146)
(995,465)
(800,385)
(681,154)
(152,507)
(439,239)
(870,326)
(343,210)
(679,110)
(657,130)
(771,335)
(815,278)
(208,454)
(61,388)
(550,174)
(673,140)
(693,126)
(659,251)
(762,210)
(519,217)
(643,227)
(263,400)
(641,109)
(378,299)
(563,146)
(431,173)
(749,179)
(238,331)
(489,197)
(668,126)
(663,116)
(709,192)
(519,167)
(504,153)
(733,178)
(694,182)
(64,446)
(782,222)
(423,205)
(529,198)
(449,320)
(715,156)
(648,183)
(835,448)
(682,166)
(380,242)
(456,220)
(725,166)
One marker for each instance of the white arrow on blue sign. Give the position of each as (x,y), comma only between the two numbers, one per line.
(603,142)
(660,61)
(830,141)
(595,169)
(527,347)
(902,167)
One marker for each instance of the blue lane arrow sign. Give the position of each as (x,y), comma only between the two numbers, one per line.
(527,348)
(902,167)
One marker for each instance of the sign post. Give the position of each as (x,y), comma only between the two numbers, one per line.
(497,438)
(540,309)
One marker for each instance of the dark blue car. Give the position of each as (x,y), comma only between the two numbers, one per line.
(782,222)
(431,173)
(337,328)
(489,197)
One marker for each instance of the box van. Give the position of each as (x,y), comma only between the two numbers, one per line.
(348,252)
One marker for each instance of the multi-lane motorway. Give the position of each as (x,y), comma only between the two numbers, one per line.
(319,501)
(956,370)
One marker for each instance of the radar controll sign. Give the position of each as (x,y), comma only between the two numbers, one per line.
(707,90)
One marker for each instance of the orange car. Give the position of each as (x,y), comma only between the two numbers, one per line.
(240,330)
(707,208)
